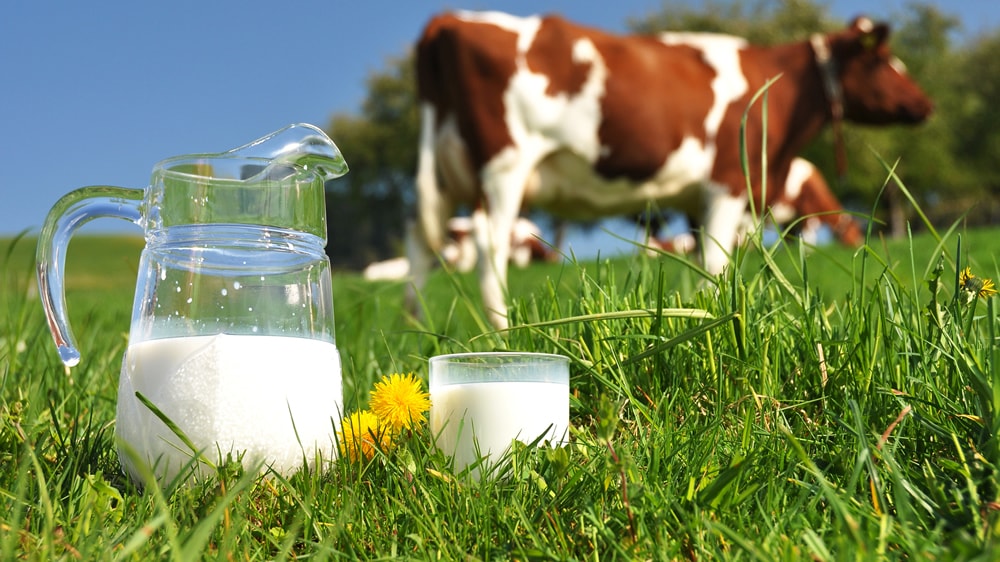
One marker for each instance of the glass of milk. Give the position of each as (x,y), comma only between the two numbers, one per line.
(231,351)
(482,402)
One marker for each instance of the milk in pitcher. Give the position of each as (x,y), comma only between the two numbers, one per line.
(220,391)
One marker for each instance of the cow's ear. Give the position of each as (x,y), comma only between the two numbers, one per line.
(870,34)
(881,33)
(875,38)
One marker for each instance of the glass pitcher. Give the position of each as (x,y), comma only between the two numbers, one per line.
(231,350)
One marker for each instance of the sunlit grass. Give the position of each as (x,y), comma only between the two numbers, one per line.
(826,404)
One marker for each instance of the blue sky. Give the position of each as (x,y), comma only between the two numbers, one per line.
(97,92)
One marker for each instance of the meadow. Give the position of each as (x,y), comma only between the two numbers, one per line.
(829,404)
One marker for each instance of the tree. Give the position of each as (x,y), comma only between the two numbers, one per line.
(368,207)
(978,114)
(762,22)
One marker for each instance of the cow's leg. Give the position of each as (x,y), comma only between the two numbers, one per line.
(748,227)
(433,209)
(493,244)
(494,226)
(810,231)
(723,216)
(425,235)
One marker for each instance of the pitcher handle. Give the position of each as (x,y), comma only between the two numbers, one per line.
(72,211)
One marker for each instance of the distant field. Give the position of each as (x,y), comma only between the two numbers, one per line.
(91,258)
(102,269)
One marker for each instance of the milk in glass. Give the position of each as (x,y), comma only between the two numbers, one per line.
(482,401)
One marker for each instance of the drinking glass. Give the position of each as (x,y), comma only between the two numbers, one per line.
(482,402)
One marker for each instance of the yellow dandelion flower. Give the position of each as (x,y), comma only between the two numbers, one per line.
(965,276)
(975,286)
(988,290)
(360,434)
(399,401)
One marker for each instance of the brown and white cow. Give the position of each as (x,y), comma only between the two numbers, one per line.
(540,112)
(806,197)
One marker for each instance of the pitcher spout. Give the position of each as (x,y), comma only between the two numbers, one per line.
(277,181)
(300,145)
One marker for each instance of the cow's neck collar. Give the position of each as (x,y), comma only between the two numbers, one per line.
(834,95)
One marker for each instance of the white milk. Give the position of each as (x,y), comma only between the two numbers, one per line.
(497,412)
(230,393)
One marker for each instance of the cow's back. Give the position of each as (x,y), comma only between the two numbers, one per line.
(617,108)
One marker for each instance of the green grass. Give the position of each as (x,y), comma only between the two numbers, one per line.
(831,405)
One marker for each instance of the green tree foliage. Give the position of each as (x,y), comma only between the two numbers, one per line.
(947,163)
(367,208)
(761,22)
(976,114)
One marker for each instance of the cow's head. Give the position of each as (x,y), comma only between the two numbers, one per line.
(875,87)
